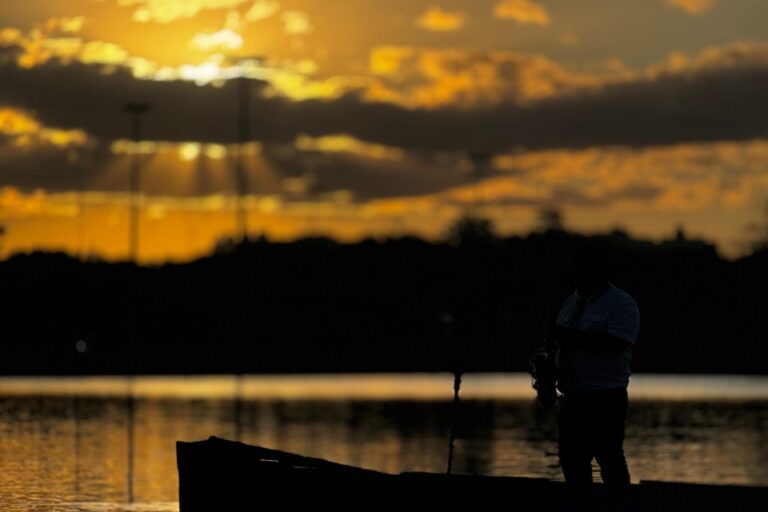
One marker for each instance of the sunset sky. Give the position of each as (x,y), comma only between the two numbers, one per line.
(642,114)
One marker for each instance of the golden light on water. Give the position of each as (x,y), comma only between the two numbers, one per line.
(80,436)
(189,151)
(418,387)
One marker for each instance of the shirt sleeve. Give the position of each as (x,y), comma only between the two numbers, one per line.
(624,322)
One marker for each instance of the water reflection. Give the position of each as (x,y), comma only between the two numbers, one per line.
(70,452)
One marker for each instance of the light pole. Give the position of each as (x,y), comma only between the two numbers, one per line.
(243,137)
(136,111)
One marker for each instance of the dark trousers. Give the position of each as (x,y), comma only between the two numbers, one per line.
(592,426)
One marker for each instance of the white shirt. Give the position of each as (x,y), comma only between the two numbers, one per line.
(612,312)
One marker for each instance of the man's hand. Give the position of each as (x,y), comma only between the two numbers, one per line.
(596,342)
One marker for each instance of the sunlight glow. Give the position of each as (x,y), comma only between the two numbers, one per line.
(515,386)
(215,151)
(202,74)
(189,151)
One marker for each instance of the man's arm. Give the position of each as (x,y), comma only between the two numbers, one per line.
(597,342)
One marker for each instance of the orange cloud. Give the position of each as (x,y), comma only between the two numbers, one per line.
(25,131)
(524,12)
(642,188)
(348,144)
(262,9)
(15,205)
(438,20)
(430,78)
(71,24)
(287,78)
(386,60)
(166,11)
(739,55)
(296,23)
(225,39)
(682,177)
(10,36)
(171,229)
(39,46)
(101,52)
(692,6)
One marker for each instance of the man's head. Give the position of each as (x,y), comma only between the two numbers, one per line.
(591,266)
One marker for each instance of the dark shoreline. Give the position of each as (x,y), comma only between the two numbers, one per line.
(316,306)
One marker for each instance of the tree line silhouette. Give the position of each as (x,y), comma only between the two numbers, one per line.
(315,305)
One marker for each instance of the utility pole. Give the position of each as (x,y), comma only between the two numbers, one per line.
(479,167)
(136,111)
(243,135)
(80,161)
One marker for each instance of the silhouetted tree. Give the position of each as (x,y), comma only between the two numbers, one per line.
(225,245)
(551,219)
(472,230)
(758,242)
(316,305)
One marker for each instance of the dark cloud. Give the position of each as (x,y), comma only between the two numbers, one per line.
(52,168)
(705,103)
(640,192)
(92,98)
(58,169)
(694,105)
(371,178)
(572,196)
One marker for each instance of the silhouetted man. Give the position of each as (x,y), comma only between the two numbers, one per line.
(596,332)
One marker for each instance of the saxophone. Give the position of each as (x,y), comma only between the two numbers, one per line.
(543,364)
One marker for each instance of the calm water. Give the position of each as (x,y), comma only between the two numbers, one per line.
(70,444)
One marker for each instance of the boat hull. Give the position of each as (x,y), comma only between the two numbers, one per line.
(220,476)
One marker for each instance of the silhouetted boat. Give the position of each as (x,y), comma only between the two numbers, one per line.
(218,475)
